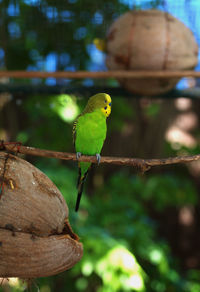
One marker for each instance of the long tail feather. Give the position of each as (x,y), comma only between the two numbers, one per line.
(80,184)
(79,177)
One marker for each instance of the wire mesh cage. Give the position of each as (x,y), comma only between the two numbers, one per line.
(50,36)
(156,216)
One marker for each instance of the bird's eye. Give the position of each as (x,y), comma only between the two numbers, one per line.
(105,101)
(110,103)
(105,107)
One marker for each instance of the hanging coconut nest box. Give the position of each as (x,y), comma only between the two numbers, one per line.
(150,40)
(36,239)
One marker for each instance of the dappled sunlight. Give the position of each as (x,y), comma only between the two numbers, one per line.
(155,256)
(186,215)
(187,121)
(135,282)
(119,268)
(66,107)
(158,258)
(178,133)
(183,103)
(14,283)
(177,138)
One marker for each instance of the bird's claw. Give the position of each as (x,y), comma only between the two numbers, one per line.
(98,156)
(78,155)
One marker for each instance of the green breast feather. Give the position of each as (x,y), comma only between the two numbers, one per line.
(90,133)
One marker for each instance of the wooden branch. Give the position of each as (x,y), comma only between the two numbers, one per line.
(141,164)
(101,74)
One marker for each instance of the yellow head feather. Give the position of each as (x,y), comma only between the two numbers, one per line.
(99,101)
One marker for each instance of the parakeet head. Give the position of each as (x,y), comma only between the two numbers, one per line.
(100,101)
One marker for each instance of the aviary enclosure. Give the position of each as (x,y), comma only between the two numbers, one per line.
(138,224)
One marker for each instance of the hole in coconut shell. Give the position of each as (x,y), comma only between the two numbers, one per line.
(68,230)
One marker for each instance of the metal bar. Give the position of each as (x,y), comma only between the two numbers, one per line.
(100,75)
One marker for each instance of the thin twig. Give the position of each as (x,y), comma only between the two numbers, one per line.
(101,74)
(141,164)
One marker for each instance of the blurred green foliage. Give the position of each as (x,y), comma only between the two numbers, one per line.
(123,250)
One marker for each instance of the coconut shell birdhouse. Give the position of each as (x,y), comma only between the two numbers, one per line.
(150,40)
(36,239)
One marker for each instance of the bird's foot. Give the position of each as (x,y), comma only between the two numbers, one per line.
(98,156)
(78,155)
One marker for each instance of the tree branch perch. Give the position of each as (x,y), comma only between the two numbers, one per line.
(141,164)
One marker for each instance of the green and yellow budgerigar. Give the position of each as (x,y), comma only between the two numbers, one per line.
(89,133)
(100,44)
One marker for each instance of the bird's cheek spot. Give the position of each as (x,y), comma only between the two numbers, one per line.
(105,107)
